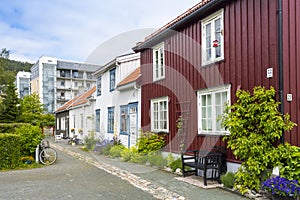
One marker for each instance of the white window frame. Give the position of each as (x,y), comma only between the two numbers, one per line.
(157,118)
(215,124)
(206,47)
(159,62)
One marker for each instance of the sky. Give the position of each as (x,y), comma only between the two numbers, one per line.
(73,29)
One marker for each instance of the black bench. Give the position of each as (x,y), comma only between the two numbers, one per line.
(210,163)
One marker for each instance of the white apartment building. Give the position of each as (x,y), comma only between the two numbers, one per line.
(23,83)
(58,81)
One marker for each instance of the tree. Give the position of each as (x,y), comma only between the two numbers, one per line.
(255,124)
(8,108)
(32,111)
(5,53)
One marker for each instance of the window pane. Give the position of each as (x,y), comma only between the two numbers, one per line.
(218,98)
(203,100)
(209,112)
(203,111)
(204,124)
(209,124)
(209,100)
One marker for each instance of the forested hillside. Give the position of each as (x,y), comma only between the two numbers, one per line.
(9,68)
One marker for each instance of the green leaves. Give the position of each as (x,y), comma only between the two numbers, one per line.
(255,124)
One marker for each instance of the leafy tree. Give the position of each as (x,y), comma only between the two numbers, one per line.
(32,112)
(255,124)
(31,109)
(8,107)
(5,53)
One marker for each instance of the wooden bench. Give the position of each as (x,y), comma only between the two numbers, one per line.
(210,163)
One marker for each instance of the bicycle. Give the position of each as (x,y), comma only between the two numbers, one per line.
(47,154)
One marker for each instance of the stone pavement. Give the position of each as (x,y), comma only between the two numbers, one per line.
(160,184)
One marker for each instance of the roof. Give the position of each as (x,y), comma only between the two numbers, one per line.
(190,14)
(76,66)
(80,99)
(131,77)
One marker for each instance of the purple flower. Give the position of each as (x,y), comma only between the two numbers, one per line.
(282,186)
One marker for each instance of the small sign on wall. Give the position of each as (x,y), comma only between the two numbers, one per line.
(289,97)
(269,72)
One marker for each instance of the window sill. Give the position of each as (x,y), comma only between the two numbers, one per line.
(213,134)
(159,79)
(160,131)
(213,63)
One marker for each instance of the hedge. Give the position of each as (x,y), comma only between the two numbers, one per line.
(10,127)
(10,151)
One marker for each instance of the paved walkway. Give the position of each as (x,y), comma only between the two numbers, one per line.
(160,184)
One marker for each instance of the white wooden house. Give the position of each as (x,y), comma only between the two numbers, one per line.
(117,109)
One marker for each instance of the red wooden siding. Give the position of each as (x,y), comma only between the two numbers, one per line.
(250,35)
(291,61)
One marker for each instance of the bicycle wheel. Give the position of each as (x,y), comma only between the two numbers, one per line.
(48,156)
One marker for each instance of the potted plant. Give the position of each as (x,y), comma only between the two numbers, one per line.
(282,188)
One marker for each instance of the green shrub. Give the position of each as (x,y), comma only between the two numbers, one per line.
(115,151)
(30,137)
(90,141)
(156,159)
(10,151)
(139,158)
(149,142)
(10,127)
(176,164)
(289,161)
(104,150)
(228,179)
(255,124)
(126,154)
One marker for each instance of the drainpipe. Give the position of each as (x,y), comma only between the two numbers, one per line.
(280,61)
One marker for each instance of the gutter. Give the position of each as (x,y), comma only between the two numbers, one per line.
(280,61)
(166,32)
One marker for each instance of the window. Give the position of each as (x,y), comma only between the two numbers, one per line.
(97,124)
(212,38)
(62,83)
(110,120)
(211,104)
(63,123)
(158,62)
(99,86)
(124,126)
(159,115)
(62,73)
(75,74)
(112,79)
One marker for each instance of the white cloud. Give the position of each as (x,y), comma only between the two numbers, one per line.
(69,29)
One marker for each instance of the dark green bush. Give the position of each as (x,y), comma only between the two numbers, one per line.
(176,164)
(30,137)
(149,142)
(228,179)
(10,127)
(115,151)
(156,159)
(10,151)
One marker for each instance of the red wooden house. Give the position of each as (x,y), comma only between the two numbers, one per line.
(198,61)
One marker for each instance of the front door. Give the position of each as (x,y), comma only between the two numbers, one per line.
(133,124)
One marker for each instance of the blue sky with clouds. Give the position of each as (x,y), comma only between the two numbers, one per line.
(73,29)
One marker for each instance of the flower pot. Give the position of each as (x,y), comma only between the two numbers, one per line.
(278,197)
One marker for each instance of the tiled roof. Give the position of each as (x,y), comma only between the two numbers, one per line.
(131,77)
(177,20)
(78,100)
(180,17)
